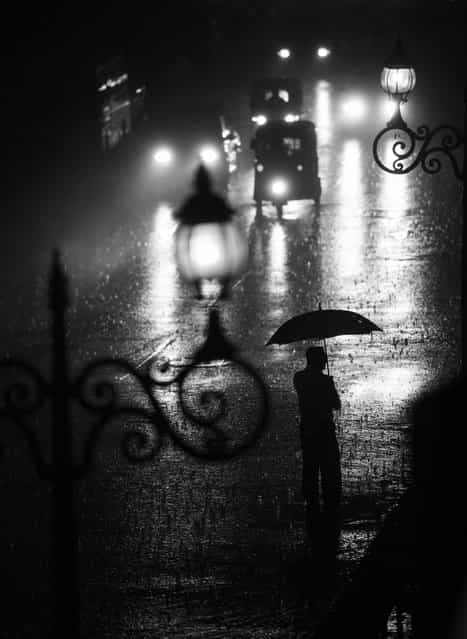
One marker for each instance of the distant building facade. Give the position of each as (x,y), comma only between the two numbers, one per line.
(117,108)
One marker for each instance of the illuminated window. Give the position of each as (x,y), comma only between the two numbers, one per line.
(292,145)
(284,95)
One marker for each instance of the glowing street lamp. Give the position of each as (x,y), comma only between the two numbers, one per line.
(423,147)
(398,80)
(210,246)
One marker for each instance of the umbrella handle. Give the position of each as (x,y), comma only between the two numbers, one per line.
(326,352)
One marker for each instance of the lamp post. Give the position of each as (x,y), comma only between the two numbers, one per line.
(97,390)
(424,147)
(211,249)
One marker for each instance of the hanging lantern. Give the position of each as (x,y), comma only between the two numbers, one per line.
(210,246)
(398,76)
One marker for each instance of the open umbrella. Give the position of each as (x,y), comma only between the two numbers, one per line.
(321,325)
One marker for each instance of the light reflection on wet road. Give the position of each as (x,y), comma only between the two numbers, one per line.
(164,543)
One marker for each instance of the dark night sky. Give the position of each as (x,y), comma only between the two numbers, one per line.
(51,56)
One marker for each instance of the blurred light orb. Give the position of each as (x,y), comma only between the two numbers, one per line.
(323,52)
(260,120)
(163,156)
(209,155)
(260,168)
(291,117)
(279,187)
(210,250)
(284,53)
(354,108)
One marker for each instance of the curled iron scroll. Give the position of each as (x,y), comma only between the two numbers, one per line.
(23,391)
(205,400)
(99,391)
(208,410)
(422,147)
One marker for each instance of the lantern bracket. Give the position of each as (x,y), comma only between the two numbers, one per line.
(433,145)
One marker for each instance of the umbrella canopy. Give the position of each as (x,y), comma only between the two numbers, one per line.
(321,325)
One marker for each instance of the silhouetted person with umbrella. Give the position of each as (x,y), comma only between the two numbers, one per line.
(317,397)
(422,543)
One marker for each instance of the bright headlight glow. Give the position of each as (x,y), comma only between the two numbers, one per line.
(323,52)
(284,53)
(209,155)
(163,156)
(354,108)
(291,117)
(259,119)
(279,187)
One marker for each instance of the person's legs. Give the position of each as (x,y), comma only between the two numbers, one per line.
(311,491)
(331,480)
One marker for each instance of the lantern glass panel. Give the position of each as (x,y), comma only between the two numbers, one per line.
(210,251)
(398,81)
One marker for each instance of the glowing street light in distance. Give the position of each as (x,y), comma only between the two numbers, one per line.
(354,108)
(323,52)
(284,53)
(260,119)
(209,155)
(163,156)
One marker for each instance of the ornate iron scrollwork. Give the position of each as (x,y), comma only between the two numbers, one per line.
(212,405)
(105,391)
(203,401)
(100,392)
(422,147)
(20,399)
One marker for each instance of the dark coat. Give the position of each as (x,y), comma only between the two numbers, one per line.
(317,398)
